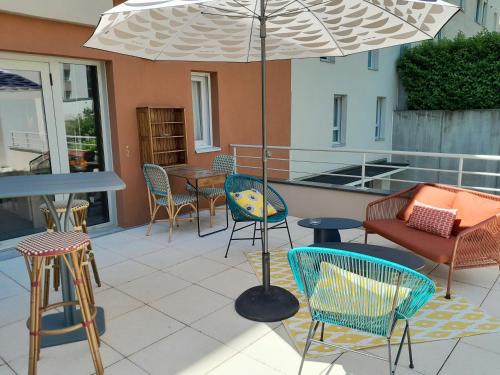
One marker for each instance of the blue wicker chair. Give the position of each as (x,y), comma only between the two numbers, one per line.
(221,163)
(160,195)
(359,292)
(240,182)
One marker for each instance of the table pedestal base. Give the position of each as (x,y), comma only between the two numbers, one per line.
(326,235)
(56,321)
(275,305)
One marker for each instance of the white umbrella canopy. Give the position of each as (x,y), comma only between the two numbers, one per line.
(229,30)
(260,30)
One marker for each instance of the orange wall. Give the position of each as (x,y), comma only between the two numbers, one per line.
(134,82)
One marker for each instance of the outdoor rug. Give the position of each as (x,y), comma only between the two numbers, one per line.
(439,319)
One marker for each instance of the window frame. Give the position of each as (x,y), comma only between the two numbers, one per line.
(373,59)
(206,141)
(339,120)
(481,12)
(327,59)
(380,118)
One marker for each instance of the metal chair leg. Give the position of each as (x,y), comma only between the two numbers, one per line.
(289,237)
(230,239)
(391,371)
(254,230)
(409,344)
(322,331)
(310,335)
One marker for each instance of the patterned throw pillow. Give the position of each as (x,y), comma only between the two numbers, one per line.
(253,201)
(431,219)
(343,292)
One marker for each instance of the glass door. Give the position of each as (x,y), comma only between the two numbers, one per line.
(28,136)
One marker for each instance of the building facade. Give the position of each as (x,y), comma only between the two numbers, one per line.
(74,108)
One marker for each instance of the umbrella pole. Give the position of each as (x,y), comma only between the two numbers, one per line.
(266,302)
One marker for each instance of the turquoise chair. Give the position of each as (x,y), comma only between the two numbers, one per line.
(241,182)
(360,292)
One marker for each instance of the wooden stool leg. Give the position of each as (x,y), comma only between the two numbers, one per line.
(46,282)
(34,320)
(93,263)
(85,308)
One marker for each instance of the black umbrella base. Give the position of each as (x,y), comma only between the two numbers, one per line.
(275,305)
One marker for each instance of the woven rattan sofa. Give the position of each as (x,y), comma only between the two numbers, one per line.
(475,240)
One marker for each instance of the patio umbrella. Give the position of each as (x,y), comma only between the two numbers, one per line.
(261,30)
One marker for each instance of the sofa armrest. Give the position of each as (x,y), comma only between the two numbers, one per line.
(388,207)
(478,245)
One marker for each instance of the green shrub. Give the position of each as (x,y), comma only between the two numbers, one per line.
(463,73)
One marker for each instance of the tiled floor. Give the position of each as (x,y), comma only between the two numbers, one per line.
(169,310)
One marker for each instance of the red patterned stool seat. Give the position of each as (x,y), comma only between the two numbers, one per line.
(53,243)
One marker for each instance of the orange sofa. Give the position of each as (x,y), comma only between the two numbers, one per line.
(475,239)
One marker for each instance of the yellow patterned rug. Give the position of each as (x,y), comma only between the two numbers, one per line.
(439,319)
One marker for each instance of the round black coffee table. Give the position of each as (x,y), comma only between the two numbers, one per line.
(404,258)
(326,229)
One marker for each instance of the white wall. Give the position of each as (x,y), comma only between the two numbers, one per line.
(464,21)
(314,84)
(77,11)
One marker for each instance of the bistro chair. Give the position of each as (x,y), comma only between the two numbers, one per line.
(221,163)
(238,183)
(79,210)
(360,292)
(70,248)
(160,195)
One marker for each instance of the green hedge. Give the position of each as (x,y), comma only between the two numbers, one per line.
(463,73)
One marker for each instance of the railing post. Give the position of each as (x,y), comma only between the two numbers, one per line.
(363,171)
(235,159)
(460,171)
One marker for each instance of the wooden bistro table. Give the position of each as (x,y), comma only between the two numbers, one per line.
(47,185)
(200,178)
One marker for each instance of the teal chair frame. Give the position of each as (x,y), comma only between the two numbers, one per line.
(305,264)
(240,182)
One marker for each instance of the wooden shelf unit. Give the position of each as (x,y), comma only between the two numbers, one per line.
(162,134)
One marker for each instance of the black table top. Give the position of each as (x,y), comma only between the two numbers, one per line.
(404,258)
(330,223)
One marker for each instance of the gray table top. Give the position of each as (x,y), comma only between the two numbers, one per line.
(65,183)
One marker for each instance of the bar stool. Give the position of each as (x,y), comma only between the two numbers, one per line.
(79,209)
(70,248)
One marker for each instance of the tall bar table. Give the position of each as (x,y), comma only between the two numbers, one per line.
(46,185)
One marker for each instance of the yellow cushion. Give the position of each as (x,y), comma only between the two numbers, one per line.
(343,292)
(253,201)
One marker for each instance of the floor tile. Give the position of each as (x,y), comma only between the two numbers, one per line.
(186,352)
(467,360)
(196,269)
(231,283)
(5,370)
(13,309)
(233,259)
(116,303)
(137,248)
(15,268)
(484,277)
(492,303)
(105,258)
(474,294)
(137,329)
(243,365)
(14,340)
(124,272)
(490,341)
(357,364)
(124,367)
(72,358)
(9,287)
(245,267)
(154,286)
(165,258)
(230,328)
(285,357)
(191,303)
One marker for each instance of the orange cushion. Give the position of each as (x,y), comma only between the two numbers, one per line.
(473,209)
(430,246)
(430,195)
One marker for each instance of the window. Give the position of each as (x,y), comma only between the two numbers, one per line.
(202,110)
(379,118)
(339,117)
(481,11)
(461,4)
(373,60)
(495,22)
(328,59)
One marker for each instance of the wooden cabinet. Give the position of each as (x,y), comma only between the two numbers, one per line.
(162,135)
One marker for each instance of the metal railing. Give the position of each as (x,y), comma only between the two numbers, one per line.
(38,143)
(408,162)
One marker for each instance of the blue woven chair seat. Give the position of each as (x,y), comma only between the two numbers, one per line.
(207,192)
(179,199)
